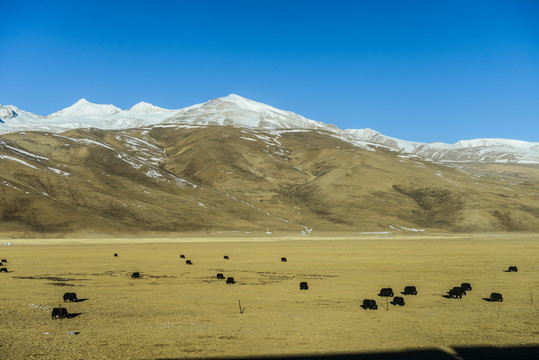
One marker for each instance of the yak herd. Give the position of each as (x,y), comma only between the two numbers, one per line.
(455,292)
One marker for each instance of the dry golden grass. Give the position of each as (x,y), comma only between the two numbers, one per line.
(176,310)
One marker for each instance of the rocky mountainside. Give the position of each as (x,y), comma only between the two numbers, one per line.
(235,165)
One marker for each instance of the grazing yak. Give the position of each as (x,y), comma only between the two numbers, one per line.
(386,292)
(512,269)
(410,290)
(225,257)
(71,297)
(115,255)
(369,305)
(60,313)
(283,259)
(303,285)
(135,275)
(220,276)
(3,269)
(398,300)
(3,260)
(466,286)
(496,297)
(455,293)
(182,256)
(188,262)
(461,289)
(230,280)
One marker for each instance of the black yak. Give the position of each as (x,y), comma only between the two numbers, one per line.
(410,290)
(369,304)
(398,300)
(455,293)
(59,313)
(386,292)
(72,297)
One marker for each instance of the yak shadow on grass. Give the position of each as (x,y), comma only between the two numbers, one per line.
(461,353)
(487,299)
(81,300)
(498,353)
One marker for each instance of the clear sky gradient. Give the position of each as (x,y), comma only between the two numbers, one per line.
(417,70)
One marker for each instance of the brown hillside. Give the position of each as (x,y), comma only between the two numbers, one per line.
(177,179)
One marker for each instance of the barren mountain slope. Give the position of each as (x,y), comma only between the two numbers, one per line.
(174,178)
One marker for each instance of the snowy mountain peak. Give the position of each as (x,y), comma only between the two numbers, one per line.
(85,108)
(82,101)
(234,110)
(146,108)
(234,97)
(247,104)
(8,112)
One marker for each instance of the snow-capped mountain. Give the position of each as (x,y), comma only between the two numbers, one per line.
(477,150)
(146,108)
(83,114)
(84,108)
(234,110)
(238,111)
(10,114)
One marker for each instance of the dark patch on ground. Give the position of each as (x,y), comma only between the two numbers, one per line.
(61,284)
(436,207)
(505,219)
(51,278)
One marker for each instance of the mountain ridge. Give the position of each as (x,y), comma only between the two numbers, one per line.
(235,110)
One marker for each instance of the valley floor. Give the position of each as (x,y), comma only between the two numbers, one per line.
(183,311)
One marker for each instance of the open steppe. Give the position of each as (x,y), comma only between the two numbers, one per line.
(176,311)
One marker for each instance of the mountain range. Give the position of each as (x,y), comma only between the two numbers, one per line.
(236,165)
(235,110)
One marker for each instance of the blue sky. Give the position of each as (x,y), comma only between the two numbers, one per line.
(417,70)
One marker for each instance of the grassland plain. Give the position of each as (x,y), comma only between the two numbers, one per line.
(175,310)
